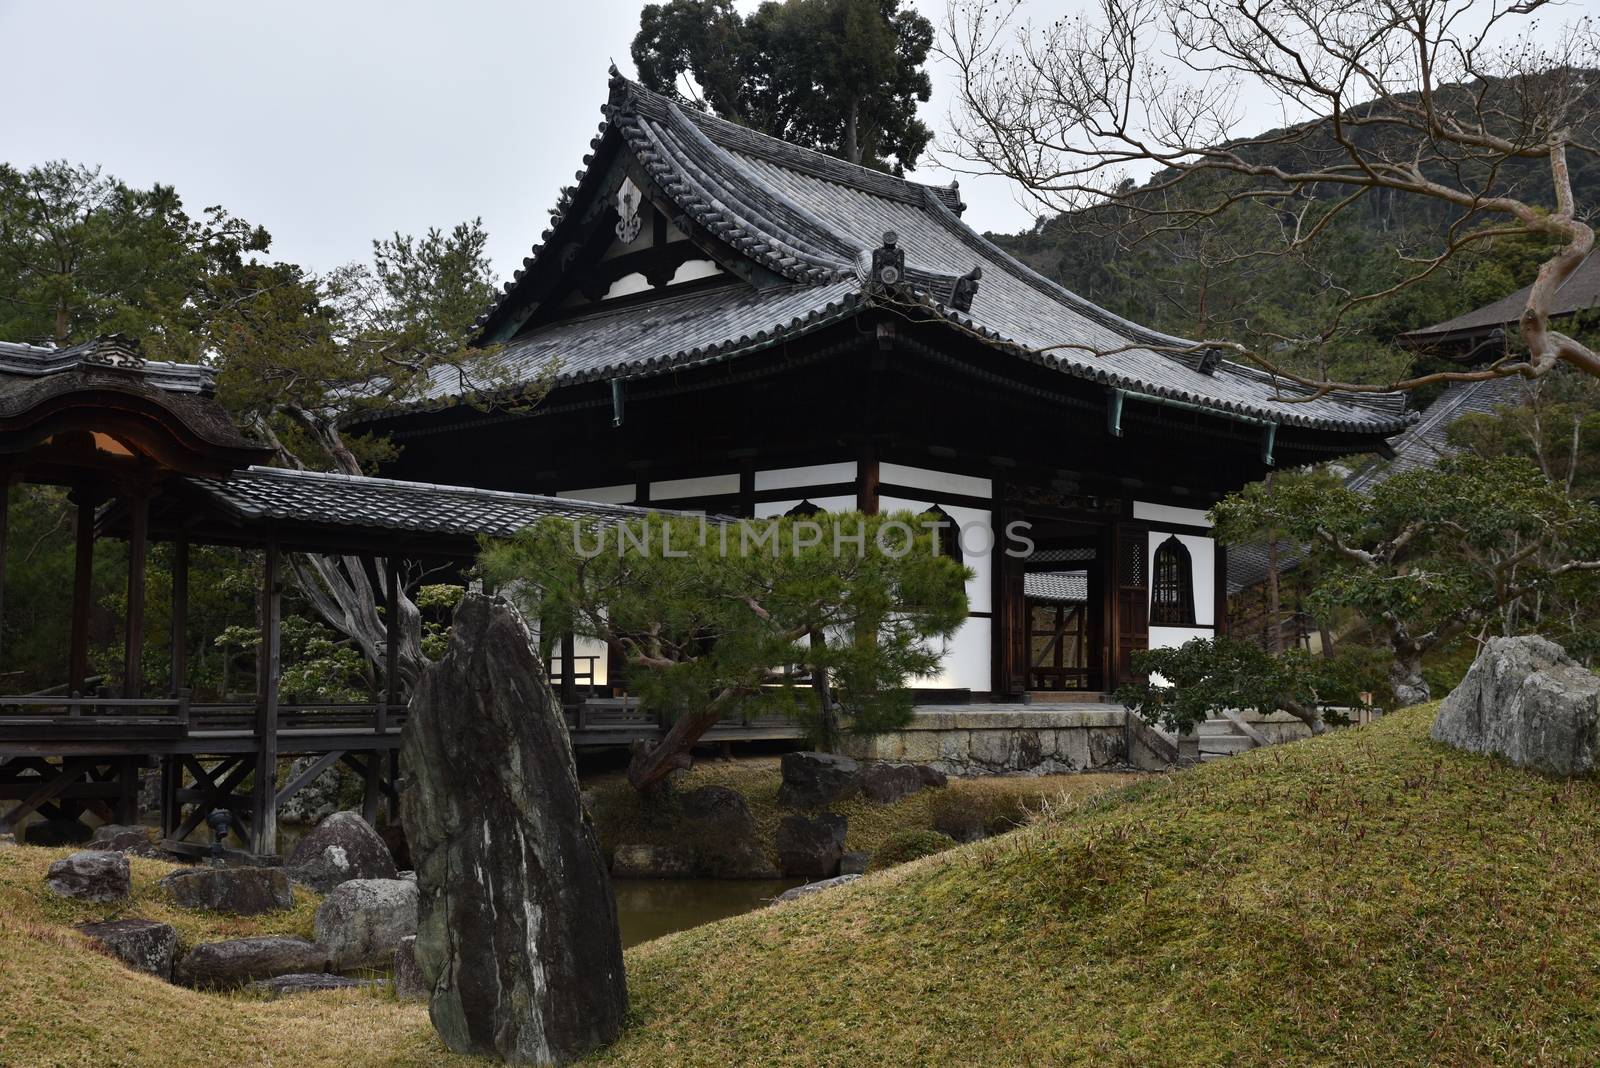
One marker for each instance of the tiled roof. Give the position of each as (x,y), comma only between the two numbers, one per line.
(270,494)
(1579,293)
(813,220)
(35,377)
(1065,587)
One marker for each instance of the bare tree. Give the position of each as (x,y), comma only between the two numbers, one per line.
(1444,100)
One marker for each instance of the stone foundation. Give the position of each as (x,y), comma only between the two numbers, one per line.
(1004,740)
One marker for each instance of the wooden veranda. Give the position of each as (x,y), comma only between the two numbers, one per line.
(148,455)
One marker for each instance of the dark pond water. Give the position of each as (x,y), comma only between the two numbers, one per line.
(650,908)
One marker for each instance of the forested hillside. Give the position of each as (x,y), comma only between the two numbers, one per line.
(1212,279)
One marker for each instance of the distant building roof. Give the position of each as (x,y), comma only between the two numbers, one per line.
(1423,445)
(1579,293)
(806,225)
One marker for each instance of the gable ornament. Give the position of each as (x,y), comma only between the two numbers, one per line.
(628,219)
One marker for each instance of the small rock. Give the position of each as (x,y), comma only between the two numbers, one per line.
(811,847)
(813,888)
(814,780)
(92,875)
(1525,699)
(884,783)
(122,838)
(308,983)
(408,982)
(931,776)
(854,863)
(650,862)
(240,891)
(56,832)
(143,945)
(8,841)
(726,841)
(232,963)
(361,922)
(340,848)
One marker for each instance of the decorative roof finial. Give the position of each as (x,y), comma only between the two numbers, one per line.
(888,261)
(965,289)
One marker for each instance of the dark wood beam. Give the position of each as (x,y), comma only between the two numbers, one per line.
(138,556)
(82,590)
(180,613)
(264,820)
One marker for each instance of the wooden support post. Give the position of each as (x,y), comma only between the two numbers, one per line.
(171,779)
(5,539)
(138,553)
(264,813)
(180,614)
(391,648)
(569,668)
(82,589)
(127,807)
(394,786)
(372,787)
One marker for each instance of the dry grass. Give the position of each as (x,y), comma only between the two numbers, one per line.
(1367,898)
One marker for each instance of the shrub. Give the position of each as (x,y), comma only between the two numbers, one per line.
(903,846)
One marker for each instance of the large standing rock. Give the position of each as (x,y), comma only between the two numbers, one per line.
(92,875)
(145,945)
(811,848)
(240,891)
(232,963)
(361,922)
(518,939)
(340,848)
(815,780)
(1527,700)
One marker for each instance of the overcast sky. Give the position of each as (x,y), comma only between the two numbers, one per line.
(335,122)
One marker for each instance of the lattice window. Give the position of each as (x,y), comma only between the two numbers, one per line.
(1172,595)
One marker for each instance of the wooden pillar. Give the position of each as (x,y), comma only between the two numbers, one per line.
(5,540)
(264,821)
(372,785)
(171,781)
(1219,616)
(138,554)
(569,668)
(180,614)
(82,590)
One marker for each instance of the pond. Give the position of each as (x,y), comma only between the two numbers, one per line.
(650,908)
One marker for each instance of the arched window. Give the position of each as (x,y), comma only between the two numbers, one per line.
(949,532)
(1172,592)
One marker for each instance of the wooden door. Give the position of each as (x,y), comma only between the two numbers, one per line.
(1132,599)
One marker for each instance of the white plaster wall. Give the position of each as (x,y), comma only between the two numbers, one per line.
(1172,637)
(1167,513)
(708,486)
(583,647)
(603,494)
(814,475)
(1203,557)
(966,659)
(692,270)
(928,479)
(977,543)
(768,509)
(628,285)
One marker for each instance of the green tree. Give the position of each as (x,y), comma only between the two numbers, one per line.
(821,618)
(1184,685)
(1432,553)
(842,76)
(83,254)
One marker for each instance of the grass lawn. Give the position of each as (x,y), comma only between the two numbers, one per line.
(1365,898)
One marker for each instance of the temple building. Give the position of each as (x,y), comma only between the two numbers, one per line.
(740,326)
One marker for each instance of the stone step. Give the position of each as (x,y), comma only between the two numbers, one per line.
(1227,744)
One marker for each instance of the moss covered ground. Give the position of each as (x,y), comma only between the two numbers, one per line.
(1365,898)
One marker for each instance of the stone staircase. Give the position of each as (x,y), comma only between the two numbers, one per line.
(1221,737)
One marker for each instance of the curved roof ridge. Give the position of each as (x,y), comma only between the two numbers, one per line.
(782,152)
(717,194)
